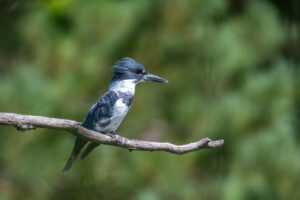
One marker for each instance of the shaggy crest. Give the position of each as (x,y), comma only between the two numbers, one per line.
(127,64)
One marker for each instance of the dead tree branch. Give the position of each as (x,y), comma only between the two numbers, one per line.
(29,122)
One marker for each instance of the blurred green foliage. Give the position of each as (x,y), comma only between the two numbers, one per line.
(233,71)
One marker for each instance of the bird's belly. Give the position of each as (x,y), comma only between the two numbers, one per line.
(114,125)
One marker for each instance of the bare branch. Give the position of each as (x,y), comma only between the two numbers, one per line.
(29,122)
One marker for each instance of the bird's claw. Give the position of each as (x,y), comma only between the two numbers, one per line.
(112,135)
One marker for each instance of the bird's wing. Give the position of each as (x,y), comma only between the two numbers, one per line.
(101,112)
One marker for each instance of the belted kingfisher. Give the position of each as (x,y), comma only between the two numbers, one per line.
(106,115)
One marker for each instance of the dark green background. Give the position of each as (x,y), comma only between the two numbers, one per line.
(233,70)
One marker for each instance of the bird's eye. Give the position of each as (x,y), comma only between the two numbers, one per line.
(139,71)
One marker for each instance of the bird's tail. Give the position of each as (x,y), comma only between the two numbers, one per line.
(88,149)
(79,144)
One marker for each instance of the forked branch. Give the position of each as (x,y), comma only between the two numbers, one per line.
(29,122)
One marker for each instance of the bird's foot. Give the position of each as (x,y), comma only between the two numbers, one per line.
(112,134)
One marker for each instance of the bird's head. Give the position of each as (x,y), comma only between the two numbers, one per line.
(129,69)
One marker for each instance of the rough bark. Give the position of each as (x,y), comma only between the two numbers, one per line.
(29,122)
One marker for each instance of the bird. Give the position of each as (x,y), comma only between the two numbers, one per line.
(107,114)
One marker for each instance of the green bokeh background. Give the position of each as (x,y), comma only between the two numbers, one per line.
(233,70)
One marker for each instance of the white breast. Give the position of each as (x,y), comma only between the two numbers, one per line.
(120,110)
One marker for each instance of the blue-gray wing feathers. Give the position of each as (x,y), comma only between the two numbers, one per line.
(100,113)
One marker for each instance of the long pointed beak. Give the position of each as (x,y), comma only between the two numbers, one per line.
(151,77)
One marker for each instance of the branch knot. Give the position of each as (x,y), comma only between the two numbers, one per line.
(24,127)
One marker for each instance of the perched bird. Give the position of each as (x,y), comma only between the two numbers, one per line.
(106,115)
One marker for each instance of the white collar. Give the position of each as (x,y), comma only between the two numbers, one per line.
(123,86)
